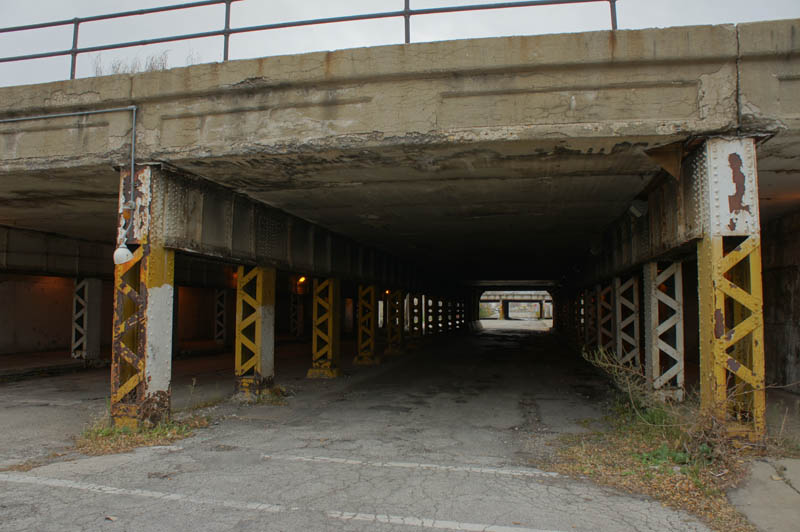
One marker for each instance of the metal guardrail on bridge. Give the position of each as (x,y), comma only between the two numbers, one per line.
(406,13)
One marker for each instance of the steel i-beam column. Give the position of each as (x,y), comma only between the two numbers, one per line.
(395,324)
(663,329)
(590,315)
(87,302)
(325,341)
(429,312)
(626,319)
(294,315)
(449,315)
(504,309)
(605,317)
(730,291)
(220,316)
(255,329)
(141,357)
(296,306)
(416,316)
(367,319)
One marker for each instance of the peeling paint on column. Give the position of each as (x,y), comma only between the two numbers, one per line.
(733,365)
(735,200)
(719,324)
(158,316)
(733,187)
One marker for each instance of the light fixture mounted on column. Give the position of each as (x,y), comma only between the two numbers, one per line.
(122,254)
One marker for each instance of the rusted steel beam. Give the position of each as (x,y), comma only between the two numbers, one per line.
(732,368)
(141,361)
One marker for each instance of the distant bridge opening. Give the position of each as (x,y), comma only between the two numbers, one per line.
(517,305)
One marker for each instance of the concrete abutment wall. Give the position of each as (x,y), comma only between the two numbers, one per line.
(782,300)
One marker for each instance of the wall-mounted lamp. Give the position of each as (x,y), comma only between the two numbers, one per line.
(638,208)
(122,254)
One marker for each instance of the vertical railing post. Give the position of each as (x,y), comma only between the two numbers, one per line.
(613,5)
(75,27)
(407,18)
(227,36)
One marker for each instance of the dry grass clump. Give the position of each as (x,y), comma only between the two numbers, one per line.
(673,452)
(101,437)
(274,395)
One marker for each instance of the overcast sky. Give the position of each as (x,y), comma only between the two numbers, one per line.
(522,21)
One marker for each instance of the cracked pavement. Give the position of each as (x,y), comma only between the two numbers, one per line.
(445,438)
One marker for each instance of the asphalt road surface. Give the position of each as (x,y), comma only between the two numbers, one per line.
(448,437)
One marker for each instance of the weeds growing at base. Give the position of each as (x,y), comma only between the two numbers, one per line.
(102,437)
(670,451)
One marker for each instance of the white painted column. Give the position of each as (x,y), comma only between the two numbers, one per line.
(626,320)
(220,315)
(663,331)
(267,353)
(87,302)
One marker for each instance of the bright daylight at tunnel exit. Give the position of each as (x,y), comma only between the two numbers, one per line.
(396,265)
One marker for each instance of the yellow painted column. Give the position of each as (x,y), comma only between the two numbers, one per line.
(395,321)
(144,293)
(730,290)
(325,340)
(255,329)
(367,320)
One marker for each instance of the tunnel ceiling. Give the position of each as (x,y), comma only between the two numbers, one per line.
(488,211)
(508,210)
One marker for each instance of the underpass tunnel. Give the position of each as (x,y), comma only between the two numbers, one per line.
(342,305)
(665,234)
(338,304)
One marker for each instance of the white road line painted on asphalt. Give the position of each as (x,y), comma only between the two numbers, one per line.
(17,478)
(430,523)
(110,490)
(512,472)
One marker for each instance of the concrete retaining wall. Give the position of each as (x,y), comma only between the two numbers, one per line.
(781,258)
(35,313)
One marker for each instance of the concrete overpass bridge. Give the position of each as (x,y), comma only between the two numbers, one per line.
(634,171)
(540,301)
